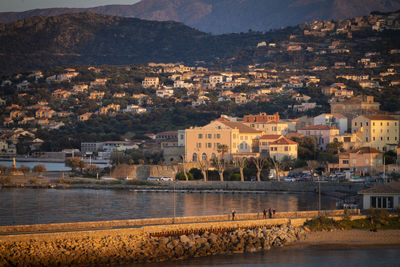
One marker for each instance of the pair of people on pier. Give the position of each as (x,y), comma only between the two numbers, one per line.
(270,213)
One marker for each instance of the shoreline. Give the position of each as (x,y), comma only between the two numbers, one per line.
(348,239)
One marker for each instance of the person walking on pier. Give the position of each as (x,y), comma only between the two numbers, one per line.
(269,213)
(265,213)
(233,214)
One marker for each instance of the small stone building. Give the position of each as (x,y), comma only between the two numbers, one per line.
(386,196)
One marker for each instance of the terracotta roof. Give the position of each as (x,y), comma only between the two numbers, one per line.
(240,126)
(283,141)
(338,115)
(319,127)
(290,135)
(271,136)
(390,188)
(363,150)
(380,117)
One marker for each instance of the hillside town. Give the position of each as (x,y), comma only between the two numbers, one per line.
(342,113)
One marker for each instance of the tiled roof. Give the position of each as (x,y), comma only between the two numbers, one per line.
(380,117)
(390,188)
(240,126)
(271,136)
(319,127)
(290,135)
(283,141)
(363,150)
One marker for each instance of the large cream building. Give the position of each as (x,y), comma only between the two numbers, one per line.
(203,142)
(378,131)
(271,127)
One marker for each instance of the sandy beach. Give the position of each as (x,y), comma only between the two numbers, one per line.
(350,239)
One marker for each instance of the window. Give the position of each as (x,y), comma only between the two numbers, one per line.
(219,136)
(373,138)
(355,123)
(209,136)
(234,136)
(200,136)
(209,145)
(373,124)
(387,124)
(345,161)
(387,138)
(366,123)
(361,124)
(347,139)
(366,139)
(286,148)
(382,202)
(381,123)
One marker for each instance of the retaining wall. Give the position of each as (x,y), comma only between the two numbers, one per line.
(170,221)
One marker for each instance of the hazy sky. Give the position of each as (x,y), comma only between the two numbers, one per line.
(22,5)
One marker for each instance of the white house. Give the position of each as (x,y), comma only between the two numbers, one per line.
(332,119)
(386,196)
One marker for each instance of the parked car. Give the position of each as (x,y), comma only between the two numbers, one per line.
(289,179)
(152,178)
(165,178)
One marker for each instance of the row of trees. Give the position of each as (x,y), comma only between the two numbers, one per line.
(240,163)
(40,168)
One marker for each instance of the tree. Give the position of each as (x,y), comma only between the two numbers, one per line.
(222,149)
(260,163)
(312,165)
(2,169)
(204,166)
(334,148)
(277,168)
(184,167)
(241,163)
(74,163)
(40,168)
(24,169)
(220,166)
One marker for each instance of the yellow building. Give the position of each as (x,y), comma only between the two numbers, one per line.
(283,148)
(355,105)
(203,142)
(378,131)
(271,127)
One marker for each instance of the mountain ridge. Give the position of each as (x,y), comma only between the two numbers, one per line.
(225,16)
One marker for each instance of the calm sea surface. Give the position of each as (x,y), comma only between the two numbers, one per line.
(314,257)
(50,166)
(32,206)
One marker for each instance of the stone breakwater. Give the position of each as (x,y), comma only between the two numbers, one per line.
(131,246)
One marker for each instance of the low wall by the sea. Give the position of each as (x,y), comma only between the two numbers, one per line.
(282,217)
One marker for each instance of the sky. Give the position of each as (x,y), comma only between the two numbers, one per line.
(22,5)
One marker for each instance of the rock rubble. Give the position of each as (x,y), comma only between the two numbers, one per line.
(117,249)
